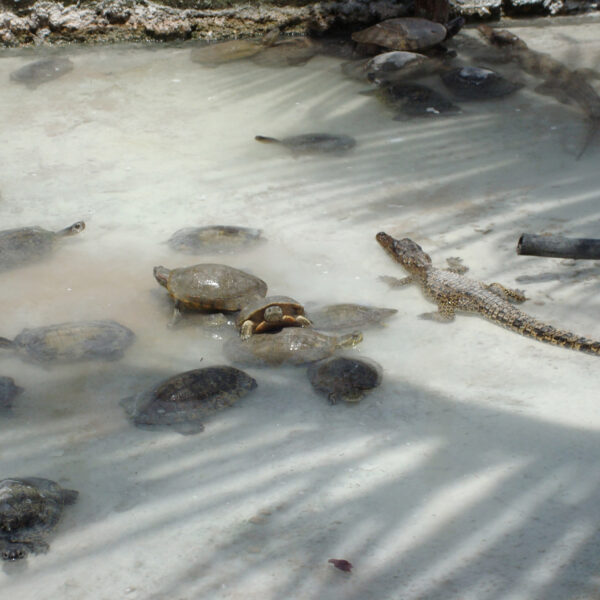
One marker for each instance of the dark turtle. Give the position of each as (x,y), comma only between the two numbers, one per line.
(408,33)
(273,312)
(309,143)
(183,401)
(210,287)
(8,391)
(78,340)
(216,238)
(28,244)
(290,346)
(41,71)
(344,378)
(30,509)
(348,317)
(225,52)
(414,100)
(286,53)
(475,83)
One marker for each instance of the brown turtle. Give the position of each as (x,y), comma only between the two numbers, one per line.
(73,341)
(272,312)
(290,52)
(348,317)
(8,391)
(213,238)
(344,378)
(183,401)
(30,508)
(210,287)
(41,71)
(28,244)
(290,346)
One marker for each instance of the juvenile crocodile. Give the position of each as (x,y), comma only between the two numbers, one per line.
(563,83)
(453,292)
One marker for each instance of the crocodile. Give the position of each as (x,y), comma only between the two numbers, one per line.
(453,292)
(560,81)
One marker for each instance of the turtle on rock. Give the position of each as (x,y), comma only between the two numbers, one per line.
(344,378)
(182,402)
(30,509)
(28,244)
(209,287)
(72,341)
(290,346)
(272,312)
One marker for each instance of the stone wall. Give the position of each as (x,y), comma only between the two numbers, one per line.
(27,22)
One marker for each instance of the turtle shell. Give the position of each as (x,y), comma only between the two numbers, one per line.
(27,244)
(29,510)
(185,400)
(394,66)
(415,100)
(407,33)
(290,346)
(41,71)
(214,287)
(8,391)
(215,238)
(73,341)
(475,83)
(344,378)
(286,53)
(255,311)
(224,52)
(348,317)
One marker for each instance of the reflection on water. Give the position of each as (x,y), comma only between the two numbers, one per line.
(469,472)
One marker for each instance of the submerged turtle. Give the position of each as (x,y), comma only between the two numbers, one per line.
(348,317)
(28,244)
(78,340)
(224,52)
(30,509)
(344,378)
(414,100)
(475,83)
(291,52)
(8,391)
(183,401)
(290,346)
(309,143)
(408,33)
(215,238)
(210,287)
(41,71)
(273,312)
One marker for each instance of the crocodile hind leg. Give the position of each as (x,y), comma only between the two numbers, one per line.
(507,293)
(444,314)
(395,282)
(455,265)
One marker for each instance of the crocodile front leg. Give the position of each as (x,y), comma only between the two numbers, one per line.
(506,293)
(455,265)
(395,282)
(444,314)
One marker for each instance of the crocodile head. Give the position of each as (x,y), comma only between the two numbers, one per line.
(408,253)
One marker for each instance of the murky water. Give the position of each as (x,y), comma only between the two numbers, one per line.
(470,473)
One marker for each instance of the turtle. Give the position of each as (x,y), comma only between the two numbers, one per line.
(290,346)
(72,341)
(214,238)
(309,143)
(408,33)
(286,53)
(41,71)
(414,100)
(28,244)
(348,317)
(209,287)
(30,508)
(476,83)
(8,391)
(344,378)
(183,401)
(272,312)
(214,55)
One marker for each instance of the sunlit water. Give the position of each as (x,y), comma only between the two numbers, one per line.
(470,473)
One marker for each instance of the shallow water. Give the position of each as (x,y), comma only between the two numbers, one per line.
(470,473)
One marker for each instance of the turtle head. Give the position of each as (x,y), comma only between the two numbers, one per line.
(73,229)
(408,253)
(273,314)
(161,274)
(14,551)
(350,340)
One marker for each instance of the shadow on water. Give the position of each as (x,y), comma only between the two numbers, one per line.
(427,495)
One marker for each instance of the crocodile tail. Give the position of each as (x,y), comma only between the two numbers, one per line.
(528,326)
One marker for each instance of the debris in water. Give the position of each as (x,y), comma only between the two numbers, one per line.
(341,564)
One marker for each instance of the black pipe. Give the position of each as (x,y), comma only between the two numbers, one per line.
(558,246)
